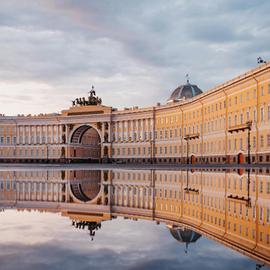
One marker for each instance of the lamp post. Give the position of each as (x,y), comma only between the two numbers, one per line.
(187,189)
(243,198)
(247,126)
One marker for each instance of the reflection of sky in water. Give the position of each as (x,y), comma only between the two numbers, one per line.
(48,241)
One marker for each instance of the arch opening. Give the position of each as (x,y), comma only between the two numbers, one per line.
(86,186)
(86,144)
(193,160)
(240,158)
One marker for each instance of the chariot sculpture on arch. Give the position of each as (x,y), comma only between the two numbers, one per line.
(91,100)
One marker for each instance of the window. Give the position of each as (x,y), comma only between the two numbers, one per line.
(262,141)
(254,115)
(261,186)
(254,141)
(247,115)
(262,111)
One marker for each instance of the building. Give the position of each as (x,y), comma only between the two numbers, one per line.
(221,125)
(228,207)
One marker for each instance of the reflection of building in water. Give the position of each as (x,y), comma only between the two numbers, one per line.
(84,185)
(91,226)
(210,203)
(32,186)
(218,120)
(184,235)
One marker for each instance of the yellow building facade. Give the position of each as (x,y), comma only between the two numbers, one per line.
(215,126)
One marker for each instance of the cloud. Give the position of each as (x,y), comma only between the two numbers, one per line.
(31,240)
(127,50)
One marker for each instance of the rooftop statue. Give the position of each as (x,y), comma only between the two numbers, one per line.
(91,100)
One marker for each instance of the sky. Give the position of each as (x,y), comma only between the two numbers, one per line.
(135,53)
(32,240)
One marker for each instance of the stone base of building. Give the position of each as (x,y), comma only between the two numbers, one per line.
(49,161)
(230,159)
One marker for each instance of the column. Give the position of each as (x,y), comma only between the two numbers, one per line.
(35,134)
(123,131)
(29,135)
(137,129)
(67,134)
(109,194)
(66,191)
(138,198)
(52,134)
(46,191)
(132,129)
(60,134)
(143,128)
(18,135)
(23,191)
(29,190)
(127,196)
(147,198)
(110,132)
(46,134)
(122,195)
(116,131)
(131,203)
(35,190)
(127,130)
(103,195)
(103,132)
(60,192)
(116,195)
(40,192)
(23,134)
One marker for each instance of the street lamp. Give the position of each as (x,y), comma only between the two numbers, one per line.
(247,126)
(187,189)
(247,199)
